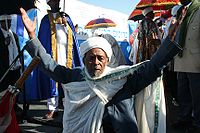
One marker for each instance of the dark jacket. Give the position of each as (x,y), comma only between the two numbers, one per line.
(13,75)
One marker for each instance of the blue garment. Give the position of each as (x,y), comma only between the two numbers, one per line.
(30,86)
(46,86)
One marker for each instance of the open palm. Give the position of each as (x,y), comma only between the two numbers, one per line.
(29,24)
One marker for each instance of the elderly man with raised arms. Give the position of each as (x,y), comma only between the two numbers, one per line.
(99,98)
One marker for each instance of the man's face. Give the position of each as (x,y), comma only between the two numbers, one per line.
(151,15)
(95,61)
(185,2)
(54,4)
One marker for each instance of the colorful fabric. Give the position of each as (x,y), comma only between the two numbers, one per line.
(100,22)
(147,36)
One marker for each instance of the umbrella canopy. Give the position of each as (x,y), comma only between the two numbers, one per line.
(137,15)
(12,6)
(100,23)
(157,4)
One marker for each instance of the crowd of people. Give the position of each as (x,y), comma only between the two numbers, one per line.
(99,91)
(181,75)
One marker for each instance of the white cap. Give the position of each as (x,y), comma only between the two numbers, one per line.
(5,17)
(42,5)
(174,10)
(147,10)
(96,42)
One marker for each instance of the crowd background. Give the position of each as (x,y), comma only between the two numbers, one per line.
(130,42)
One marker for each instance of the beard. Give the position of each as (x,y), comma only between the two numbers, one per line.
(96,74)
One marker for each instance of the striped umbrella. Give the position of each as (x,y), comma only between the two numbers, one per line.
(100,23)
(137,15)
(157,4)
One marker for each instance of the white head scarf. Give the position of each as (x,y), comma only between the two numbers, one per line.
(174,10)
(96,42)
(42,5)
(147,10)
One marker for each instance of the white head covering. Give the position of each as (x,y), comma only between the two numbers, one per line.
(96,42)
(147,10)
(174,10)
(5,17)
(42,5)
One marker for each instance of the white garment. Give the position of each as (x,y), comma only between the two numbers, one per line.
(61,42)
(145,102)
(85,101)
(133,53)
(52,103)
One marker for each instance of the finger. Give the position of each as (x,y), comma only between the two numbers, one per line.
(35,18)
(22,10)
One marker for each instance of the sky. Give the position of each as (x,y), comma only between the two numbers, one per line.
(124,6)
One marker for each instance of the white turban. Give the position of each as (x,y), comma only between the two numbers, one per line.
(174,10)
(96,42)
(147,10)
(42,5)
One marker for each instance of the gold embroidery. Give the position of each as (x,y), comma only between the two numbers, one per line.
(69,47)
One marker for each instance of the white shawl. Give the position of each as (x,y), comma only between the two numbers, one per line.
(85,101)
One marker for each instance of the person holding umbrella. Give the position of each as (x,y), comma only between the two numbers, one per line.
(149,40)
